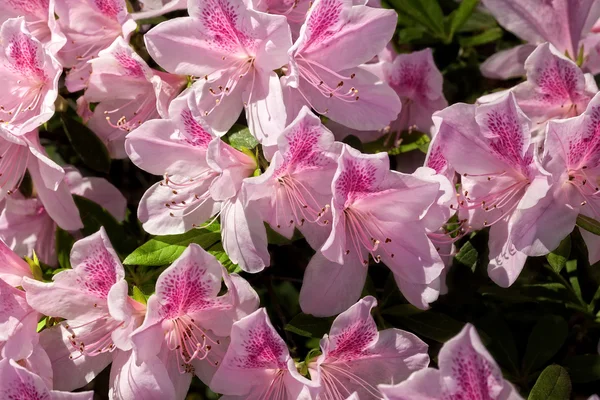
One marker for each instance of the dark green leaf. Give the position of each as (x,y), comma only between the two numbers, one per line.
(559,257)
(589,224)
(410,34)
(86,144)
(239,137)
(552,384)
(573,278)
(432,325)
(138,295)
(309,326)
(401,310)
(64,243)
(425,12)
(223,258)
(94,217)
(585,368)
(478,21)
(163,250)
(483,38)
(461,15)
(545,340)
(468,255)
(502,344)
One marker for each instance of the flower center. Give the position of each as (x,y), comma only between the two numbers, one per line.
(93,337)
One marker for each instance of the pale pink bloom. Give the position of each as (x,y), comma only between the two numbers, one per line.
(324,67)
(202,178)
(29,76)
(234,50)
(496,174)
(89,26)
(377,212)
(571,157)
(129,93)
(12,267)
(295,191)
(556,88)
(99,316)
(18,323)
(156,8)
(356,357)
(564,23)
(418,82)
(187,323)
(26,225)
(39,18)
(16,382)
(39,363)
(294,10)
(466,371)
(258,365)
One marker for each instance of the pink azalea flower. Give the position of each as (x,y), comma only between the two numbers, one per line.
(29,76)
(39,18)
(294,10)
(12,267)
(89,26)
(556,87)
(381,213)
(496,175)
(356,357)
(562,23)
(27,226)
(418,82)
(295,191)
(466,370)
(129,93)
(99,316)
(18,323)
(234,50)
(156,8)
(187,323)
(202,178)
(16,382)
(571,157)
(258,365)
(333,82)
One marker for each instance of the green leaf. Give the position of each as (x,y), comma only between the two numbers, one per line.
(589,224)
(483,38)
(163,250)
(42,324)
(559,257)
(552,384)
(584,368)
(94,217)
(239,137)
(468,256)
(502,345)
(410,34)
(309,326)
(461,15)
(478,21)
(64,244)
(86,144)
(138,295)
(545,340)
(573,278)
(432,325)
(425,12)
(223,258)
(36,268)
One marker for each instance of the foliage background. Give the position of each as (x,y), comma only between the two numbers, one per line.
(543,331)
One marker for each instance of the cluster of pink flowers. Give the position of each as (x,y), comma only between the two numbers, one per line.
(533,167)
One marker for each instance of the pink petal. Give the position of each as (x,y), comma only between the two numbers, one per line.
(507,64)
(12,267)
(421,385)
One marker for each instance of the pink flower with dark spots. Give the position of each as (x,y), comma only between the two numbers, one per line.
(566,24)
(496,175)
(295,191)
(418,82)
(18,322)
(380,213)
(99,316)
(233,51)
(16,382)
(356,357)
(128,92)
(332,82)
(294,10)
(466,372)
(89,26)
(258,365)
(571,157)
(187,323)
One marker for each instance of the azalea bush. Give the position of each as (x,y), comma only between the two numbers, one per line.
(299,199)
